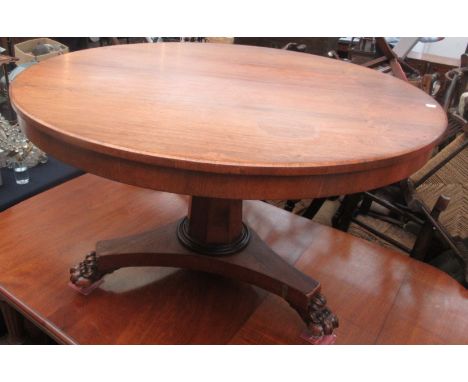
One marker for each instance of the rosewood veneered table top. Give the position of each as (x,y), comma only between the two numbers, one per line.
(227,121)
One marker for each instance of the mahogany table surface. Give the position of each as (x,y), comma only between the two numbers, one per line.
(380,296)
(227,121)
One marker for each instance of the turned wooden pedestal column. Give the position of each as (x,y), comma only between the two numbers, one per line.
(215,221)
(214,227)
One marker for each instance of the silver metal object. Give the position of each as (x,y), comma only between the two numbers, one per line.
(16,147)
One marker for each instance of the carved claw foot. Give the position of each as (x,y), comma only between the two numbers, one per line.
(85,273)
(322,321)
(319,319)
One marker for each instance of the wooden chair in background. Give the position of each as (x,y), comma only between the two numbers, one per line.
(441,233)
(388,60)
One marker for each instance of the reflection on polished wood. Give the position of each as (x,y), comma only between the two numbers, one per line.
(379,295)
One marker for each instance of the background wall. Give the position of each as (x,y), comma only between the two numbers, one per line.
(446,51)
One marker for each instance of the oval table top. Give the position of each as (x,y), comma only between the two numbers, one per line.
(227,120)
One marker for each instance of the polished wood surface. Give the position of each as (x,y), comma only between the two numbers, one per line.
(379,295)
(215,221)
(227,121)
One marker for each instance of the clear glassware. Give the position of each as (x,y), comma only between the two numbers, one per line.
(21,173)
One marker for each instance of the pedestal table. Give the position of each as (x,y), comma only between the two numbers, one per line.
(224,123)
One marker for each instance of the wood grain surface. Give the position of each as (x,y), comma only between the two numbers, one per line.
(380,296)
(200,118)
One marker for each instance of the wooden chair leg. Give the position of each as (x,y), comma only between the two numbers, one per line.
(365,205)
(313,208)
(290,204)
(343,216)
(423,241)
(13,323)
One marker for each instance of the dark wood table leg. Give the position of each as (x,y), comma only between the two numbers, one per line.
(212,239)
(13,323)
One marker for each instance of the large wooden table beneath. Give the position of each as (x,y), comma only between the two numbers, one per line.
(380,295)
(224,123)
